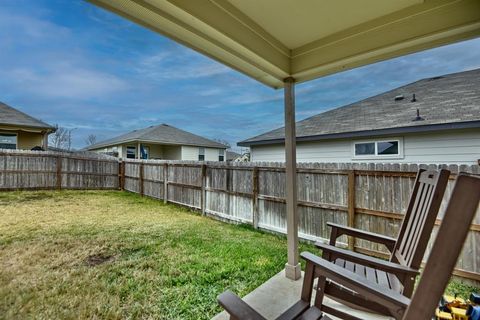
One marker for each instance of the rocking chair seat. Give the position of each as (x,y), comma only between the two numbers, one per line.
(382,278)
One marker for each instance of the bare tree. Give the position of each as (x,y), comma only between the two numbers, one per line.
(222,141)
(61,138)
(91,139)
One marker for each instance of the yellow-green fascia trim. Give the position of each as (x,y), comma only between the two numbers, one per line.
(221,31)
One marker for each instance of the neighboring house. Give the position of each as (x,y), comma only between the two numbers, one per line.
(231,155)
(162,142)
(21,131)
(243,158)
(386,128)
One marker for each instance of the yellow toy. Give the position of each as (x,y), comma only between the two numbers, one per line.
(440,315)
(459,314)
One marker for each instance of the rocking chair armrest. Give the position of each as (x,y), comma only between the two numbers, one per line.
(387,266)
(365,235)
(393,300)
(236,307)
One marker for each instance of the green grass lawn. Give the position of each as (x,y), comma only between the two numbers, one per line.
(109,255)
(76,254)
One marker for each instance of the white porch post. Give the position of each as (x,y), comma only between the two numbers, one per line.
(292,267)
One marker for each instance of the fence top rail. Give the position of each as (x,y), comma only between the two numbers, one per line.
(359,169)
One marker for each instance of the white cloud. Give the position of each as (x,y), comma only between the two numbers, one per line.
(177,63)
(66,81)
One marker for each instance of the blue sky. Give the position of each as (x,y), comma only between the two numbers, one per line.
(73,64)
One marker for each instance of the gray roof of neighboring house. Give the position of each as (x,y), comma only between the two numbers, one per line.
(445,102)
(14,117)
(231,155)
(161,134)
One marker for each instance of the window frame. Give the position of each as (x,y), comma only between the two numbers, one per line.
(399,155)
(221,155)
(11,134)
(201,153)
(134,153)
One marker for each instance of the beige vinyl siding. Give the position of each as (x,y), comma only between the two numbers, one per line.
(118,149)
(211,154)
(448,147)
(172,152)
(26,140)
(156,151)
(29,140)
(191,153)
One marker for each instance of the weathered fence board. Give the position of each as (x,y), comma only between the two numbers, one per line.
(24,170)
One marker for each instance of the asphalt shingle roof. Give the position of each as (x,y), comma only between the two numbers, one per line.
(162,133)
(448,99)
(12,116)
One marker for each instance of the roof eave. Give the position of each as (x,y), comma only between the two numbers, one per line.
(105,145)
(46,128)
(222,32)
(368,133)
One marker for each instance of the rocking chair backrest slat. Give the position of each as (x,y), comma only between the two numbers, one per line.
(420,217)
(451,236)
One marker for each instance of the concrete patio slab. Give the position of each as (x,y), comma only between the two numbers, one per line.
(277,294)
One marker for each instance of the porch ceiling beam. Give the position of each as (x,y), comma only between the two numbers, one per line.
(223,32)
(416,28)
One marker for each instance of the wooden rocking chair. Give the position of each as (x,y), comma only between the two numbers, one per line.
(460,212)
(407,251)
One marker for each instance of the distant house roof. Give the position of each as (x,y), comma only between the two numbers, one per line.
(445,102)
(231,155)
(162,134)
(13,117)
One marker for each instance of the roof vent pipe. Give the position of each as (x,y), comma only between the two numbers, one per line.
(418,118)
(413,98)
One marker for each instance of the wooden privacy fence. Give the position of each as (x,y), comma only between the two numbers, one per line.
(37,170)
(371,197)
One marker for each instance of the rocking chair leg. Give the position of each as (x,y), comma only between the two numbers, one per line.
(322,282)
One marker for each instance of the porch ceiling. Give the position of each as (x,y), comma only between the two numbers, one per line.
(271,40)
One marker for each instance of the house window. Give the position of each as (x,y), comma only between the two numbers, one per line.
(131,152)
(221,156)
(363,149)
(201,154)
(388,149)
(8,141)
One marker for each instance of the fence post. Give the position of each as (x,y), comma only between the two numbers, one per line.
(203,198)
(165,182)
(121,175)
(255,213)
(351,206)
(59,172)
(140,180)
